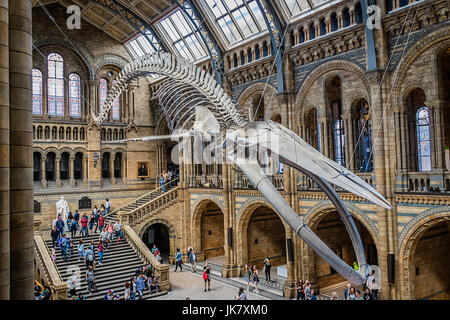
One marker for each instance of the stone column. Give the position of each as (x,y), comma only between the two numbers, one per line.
(111,170)
(71,174)
(58,172)
(43,170)
(289,283)
(92,97)
(21,151)
(351,141)
(328,24)
(4,153)
(397,125)
(85,171)
(347,150)
(124,169)
(439,149)
(404,138)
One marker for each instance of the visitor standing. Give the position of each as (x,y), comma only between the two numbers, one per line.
(63,245)
(352,294)
(367,295)
(358,295)
(207,275)
(334,296)
(162,183)
(101,223)
(108,206)
(300,290)
(193,260)
(255,279)
(307,290)
(267,266)
(127,291)
(60,226)
(89,258)
(140,285)
(84,223)
(73,284)
(118,230)
(375,288)
(91,221)
(179,260)
(90,280)
(76,218)
(80,249)
(96,217)
(347,291)
(100,249)
(313,295)
(133,288)
(248,276)
(54,233)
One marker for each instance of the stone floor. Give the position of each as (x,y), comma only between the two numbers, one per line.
(188,284)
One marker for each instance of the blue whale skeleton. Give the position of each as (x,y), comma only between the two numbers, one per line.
(196,106)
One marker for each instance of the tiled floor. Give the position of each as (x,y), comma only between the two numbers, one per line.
(188,284)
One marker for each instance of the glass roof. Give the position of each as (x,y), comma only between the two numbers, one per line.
(140,46)
(180,33)
(237,19)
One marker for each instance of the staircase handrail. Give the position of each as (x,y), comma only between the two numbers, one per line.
(141,197)
(144,253)
(125,216)
(50,271)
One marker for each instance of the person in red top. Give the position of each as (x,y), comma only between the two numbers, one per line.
(101,222)
(84,230)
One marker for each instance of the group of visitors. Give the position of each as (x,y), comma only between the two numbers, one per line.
(370,289)
(304,290)
(252,275)
(144,279)
(168,177)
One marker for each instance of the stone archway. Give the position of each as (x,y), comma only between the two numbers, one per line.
(326,223)
(422,240)
(163,235)
(208,232)
(261,234)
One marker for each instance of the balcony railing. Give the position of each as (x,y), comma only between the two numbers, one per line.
(423,182)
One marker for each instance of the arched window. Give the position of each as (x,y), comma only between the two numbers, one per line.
(312,31)
(235,60)
(116,107)
(423,138)
(37,92)
(301,37)
(55,85)
(102,92)
(313,128)
(74,95)
(334,22)
(265,49)
(242,58)
(346,17)
(249,55)
(339,141)
(358,13)
(323,28)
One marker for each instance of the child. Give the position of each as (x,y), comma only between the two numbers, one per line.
(53,254)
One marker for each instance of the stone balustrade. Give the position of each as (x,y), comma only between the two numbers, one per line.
(46,271)
(161,270)
(151,207)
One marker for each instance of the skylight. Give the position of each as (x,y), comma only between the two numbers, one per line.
(237,19)
(140,46)
(181,34)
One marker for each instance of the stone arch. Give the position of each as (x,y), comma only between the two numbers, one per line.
(317,72)
(51,149)
(108,60)
(439,38)
(84,56)
(313,218)
(66,149)
(243,218)
(406,91)
(170,227)
(409,238)
(116,151)
(270,92)
(196,220)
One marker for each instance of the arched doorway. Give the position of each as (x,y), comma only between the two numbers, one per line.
(265,238)
(36,166)
(78,166)
(118,165)
(158,234)
(331,230)
(105,165)
(50,166)
(428,263)
(208,231)
(64,166)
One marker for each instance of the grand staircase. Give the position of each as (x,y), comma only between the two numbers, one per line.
(121,259)
(120,262)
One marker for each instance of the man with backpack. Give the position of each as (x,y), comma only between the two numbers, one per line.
(59,226)
(63,245)
(89,257)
